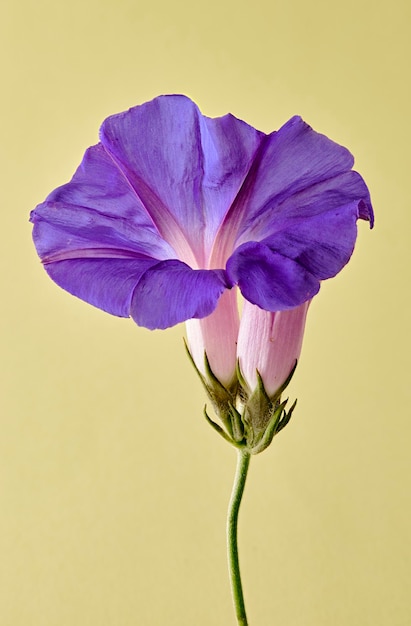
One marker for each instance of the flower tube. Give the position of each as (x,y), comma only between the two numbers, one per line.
(269,345)
(215,338)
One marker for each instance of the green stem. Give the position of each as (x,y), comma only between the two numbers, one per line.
(243,462)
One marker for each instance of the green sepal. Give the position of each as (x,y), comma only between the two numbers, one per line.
(285,384)
(218,428)
(263,415)
(243,388)
(271,430)
(222,398)
(251,419)
(257,413)
(286,417)
(237,425)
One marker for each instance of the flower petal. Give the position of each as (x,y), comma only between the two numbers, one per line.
(171,292)
(267,278)
(229,146)
(185,168)
(105,283)
(297,172)
(332,194)
(322,244)
(97,208)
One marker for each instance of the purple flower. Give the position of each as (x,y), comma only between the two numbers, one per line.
(171,209)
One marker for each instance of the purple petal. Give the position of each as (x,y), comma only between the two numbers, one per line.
(184,167)
(267,278)
(97,208)
(171,292)
(105,283)
(321,198)
(322,244)
(296,173)
(229,147)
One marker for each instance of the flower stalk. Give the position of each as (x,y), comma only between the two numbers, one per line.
(243,461)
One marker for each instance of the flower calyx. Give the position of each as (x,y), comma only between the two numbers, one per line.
(249,418)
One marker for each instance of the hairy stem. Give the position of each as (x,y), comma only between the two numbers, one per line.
(243,462)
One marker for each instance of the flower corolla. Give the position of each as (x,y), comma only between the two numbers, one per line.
(172,210)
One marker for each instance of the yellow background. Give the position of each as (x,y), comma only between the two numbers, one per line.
(113,489)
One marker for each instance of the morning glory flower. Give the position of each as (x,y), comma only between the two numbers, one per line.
(172,214)
(172,209)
